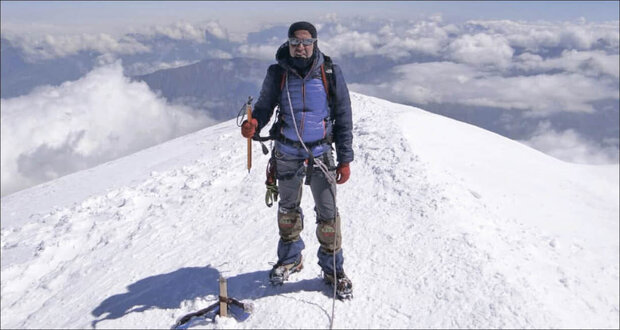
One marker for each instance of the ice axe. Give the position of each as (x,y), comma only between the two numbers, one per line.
(248,106)
(256,137)
(220,307)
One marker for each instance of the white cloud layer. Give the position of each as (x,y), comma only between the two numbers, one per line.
(394,40)
(537,67)
(49,46)
(261,52)
(447,82)
(535,36)
(44,46)
(475,42)
(141,68)
(353,42)
(591,63)
(54,131)
(570,146)
(482,49)
(186,31)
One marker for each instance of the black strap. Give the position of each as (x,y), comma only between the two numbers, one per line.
(331,81)
(283,139)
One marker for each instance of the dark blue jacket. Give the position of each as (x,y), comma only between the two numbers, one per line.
(308,106)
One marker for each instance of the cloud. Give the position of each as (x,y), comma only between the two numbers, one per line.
(570,146)
(392,39)
(50,46)
(352,42)
(44,46)
(186,31)
(216,29)
(54,131)
(361,37)
(424,37)
(448,82)
(481,49)
(218,53)
(474,42)
(540,68)
(536,36)
(142,68)
(180,31)
(261,52)
(590,63)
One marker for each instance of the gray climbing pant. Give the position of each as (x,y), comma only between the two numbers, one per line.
(291,173)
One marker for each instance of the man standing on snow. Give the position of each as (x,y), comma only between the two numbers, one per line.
(315,111)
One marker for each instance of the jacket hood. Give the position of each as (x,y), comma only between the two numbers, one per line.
(283,56)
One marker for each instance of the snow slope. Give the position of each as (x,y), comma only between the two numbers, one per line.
(445,225)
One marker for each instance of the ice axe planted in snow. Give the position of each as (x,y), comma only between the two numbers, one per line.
(222,307)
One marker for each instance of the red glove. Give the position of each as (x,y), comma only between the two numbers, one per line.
(248,128)
(342,173)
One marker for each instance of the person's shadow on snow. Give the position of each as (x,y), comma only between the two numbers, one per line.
(168,291)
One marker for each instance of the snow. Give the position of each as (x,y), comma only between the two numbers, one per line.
(445,225)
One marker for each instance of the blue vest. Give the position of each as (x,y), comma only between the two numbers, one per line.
(311,110)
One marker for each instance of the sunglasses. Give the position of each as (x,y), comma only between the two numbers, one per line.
(305,42)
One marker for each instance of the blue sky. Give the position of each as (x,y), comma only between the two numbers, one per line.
(240,15)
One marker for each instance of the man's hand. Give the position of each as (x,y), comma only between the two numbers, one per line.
(342,173)
(248,128)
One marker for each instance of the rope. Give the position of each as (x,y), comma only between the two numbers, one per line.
(331,323)
(318,161)
(332,185)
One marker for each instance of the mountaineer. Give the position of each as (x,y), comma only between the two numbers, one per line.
(314,113)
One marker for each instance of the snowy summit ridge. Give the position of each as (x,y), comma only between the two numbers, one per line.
(445,225)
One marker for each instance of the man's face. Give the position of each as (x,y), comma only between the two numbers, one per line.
(301,50)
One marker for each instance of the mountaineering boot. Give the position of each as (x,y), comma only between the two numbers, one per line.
(280,273)
(344,287)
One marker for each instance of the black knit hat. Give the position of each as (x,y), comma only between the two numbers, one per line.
(301,26)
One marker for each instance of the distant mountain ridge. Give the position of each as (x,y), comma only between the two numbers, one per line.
(218,86)
(21,75)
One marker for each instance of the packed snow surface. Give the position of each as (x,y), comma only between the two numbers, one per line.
(445,225)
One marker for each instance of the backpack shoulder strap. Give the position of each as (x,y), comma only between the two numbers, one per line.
(325,82)
(329,82)
(283,80)
(327,73)
(282,73)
